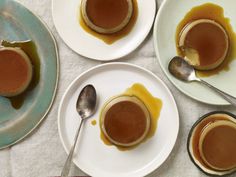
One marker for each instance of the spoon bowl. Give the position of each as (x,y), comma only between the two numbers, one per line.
(182,70)
(86,102)
(179,68)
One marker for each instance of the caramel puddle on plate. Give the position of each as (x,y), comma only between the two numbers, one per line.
(111,38)
(94,122)
(153,105)
(213,12)
(30,49)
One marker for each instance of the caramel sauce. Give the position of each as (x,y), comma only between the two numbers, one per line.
(125,122)
(111,38)
(219,147)
(197,133)
(216,13)
(107,13)
(153,105)
(94,122)
(13,67)
(30,49)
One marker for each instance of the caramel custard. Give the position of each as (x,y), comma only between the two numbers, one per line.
(121,30)
(205,44)
(214,13)
(106,16)
(15,71)
(218,145)
(125,121)
(149,102)
(30,49)
(212,143)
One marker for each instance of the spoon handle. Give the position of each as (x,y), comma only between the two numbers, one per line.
(226,96)
(66,168)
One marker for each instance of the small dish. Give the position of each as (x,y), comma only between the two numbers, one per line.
(125,113)
(87,45)
(207,142)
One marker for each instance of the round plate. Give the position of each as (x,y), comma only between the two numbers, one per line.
(83,43)
(164,40)
(92,155)
(19,24)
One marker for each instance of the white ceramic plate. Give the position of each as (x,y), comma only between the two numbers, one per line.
(170,14)
(92,155)
(65,17)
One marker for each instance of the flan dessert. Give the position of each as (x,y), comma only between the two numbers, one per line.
(212,143)
(204,44)
(106,16)
(217,145)
(125,121)
(15,71)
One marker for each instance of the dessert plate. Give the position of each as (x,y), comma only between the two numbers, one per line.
(19,24)
(92,155)
(65,17)
(164,40)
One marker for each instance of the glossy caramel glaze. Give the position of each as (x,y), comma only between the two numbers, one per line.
(30,49)
(13,71)
(153,105)
(208,40)
(219,147)
(125,122)
(111,38)
(197,133)
(107,13)
(216,13)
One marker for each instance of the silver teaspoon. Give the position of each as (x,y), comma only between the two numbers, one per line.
(179,68)
(85,107)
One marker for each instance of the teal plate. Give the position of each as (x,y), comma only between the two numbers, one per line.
(17,23)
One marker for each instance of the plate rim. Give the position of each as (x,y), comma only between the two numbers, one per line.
(149,169)
(57,78)
(156,46)
(105,59)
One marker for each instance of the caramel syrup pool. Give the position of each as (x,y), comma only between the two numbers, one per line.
(153,104)
(216,13)
(94,122)
(30,49)
(111,38)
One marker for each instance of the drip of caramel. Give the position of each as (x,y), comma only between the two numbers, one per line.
(209,41)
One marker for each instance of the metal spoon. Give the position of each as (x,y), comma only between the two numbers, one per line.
(85,106)
(179,68)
